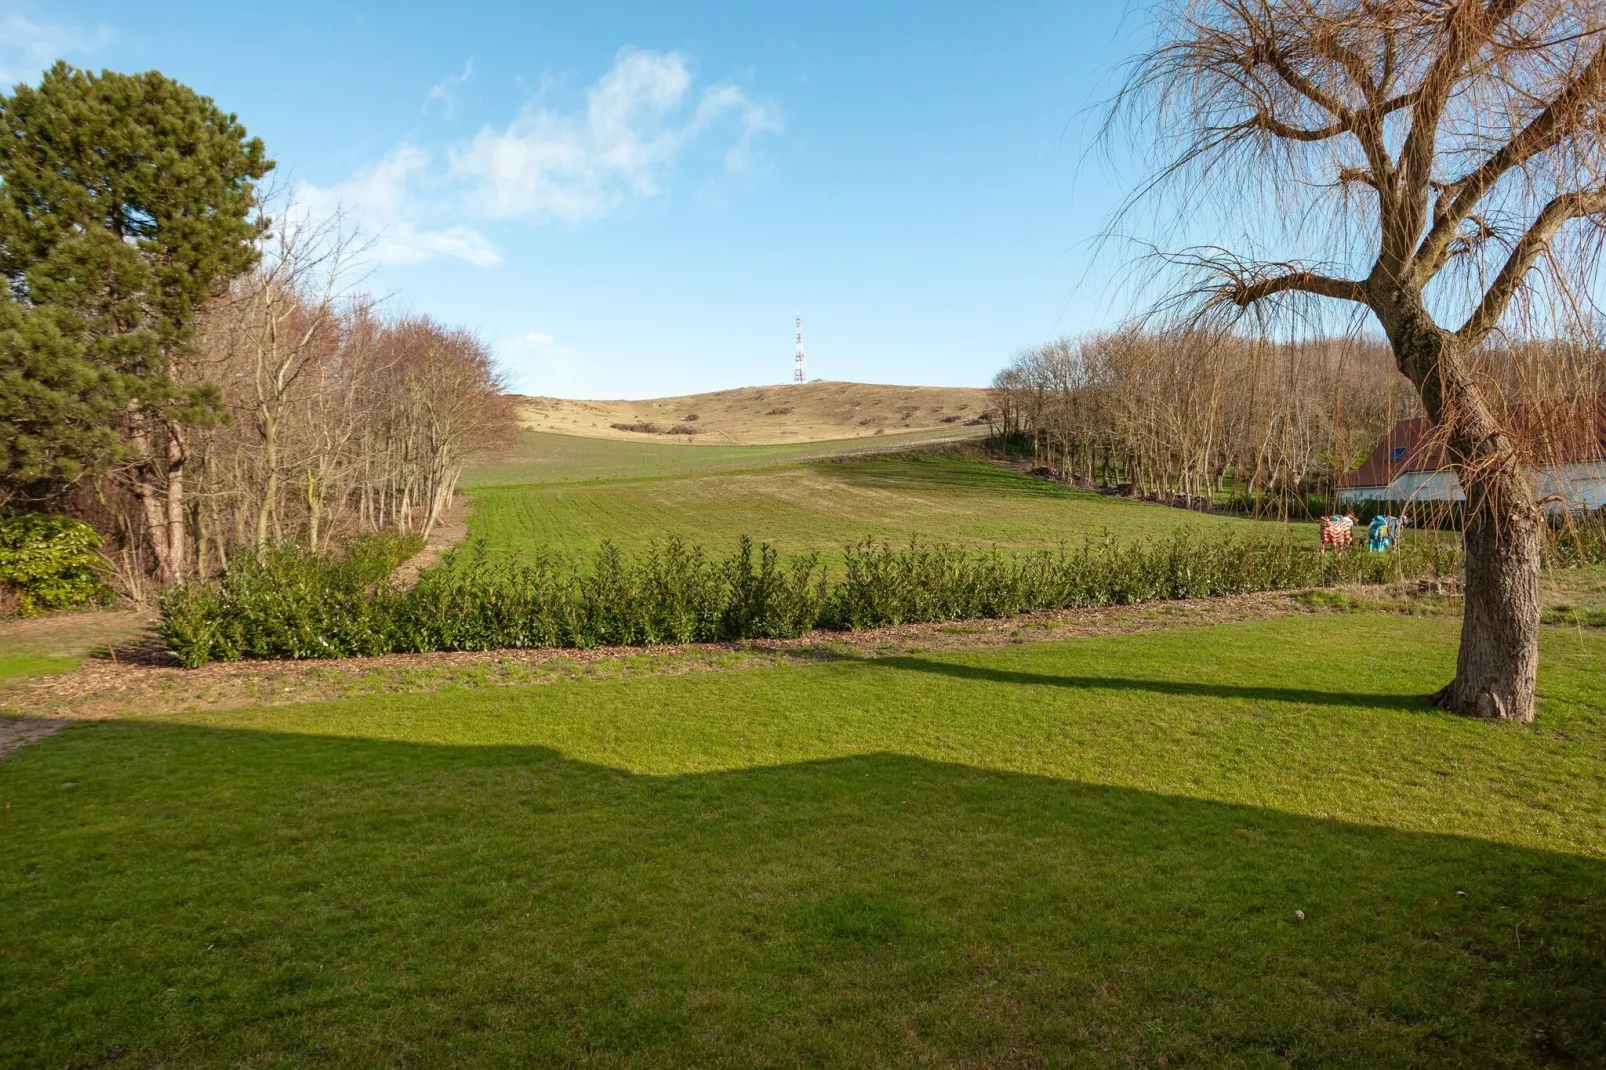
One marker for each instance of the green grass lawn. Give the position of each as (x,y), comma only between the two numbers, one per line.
(58,642)
(545,458)
(1081,853)
(28,665)
(799,505)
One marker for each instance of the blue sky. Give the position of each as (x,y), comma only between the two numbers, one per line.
(631,200)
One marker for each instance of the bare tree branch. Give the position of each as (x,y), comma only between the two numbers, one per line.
(1560,210)
(1469,27)
(1547,129)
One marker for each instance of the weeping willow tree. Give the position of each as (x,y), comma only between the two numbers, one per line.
(1435,166)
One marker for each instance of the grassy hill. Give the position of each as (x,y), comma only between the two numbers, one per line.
(766,415)
(571,493)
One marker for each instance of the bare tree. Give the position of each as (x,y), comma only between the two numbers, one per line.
(1177,415)
(276,324)
(1437,163)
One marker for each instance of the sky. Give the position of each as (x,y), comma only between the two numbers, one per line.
(629,200)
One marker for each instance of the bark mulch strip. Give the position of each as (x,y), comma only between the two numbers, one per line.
(145,681)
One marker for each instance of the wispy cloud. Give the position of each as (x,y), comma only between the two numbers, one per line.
(27,47)
(638,120)
(389,204)
(637,123)
(445,90)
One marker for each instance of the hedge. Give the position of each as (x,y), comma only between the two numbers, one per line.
(293,604)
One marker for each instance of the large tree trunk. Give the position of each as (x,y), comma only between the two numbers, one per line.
(1497,667)
(1498,664)
(149,494)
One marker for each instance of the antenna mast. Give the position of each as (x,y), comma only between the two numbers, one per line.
(799,376)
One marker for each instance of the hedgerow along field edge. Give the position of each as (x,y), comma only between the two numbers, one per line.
(1086,852)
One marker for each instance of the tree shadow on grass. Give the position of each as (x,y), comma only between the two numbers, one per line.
(209,896)
(1416,703)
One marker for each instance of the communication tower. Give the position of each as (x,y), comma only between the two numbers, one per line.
(799,376)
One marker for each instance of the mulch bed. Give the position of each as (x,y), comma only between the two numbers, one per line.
(144,680)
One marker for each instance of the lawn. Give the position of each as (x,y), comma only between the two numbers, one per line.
(799,505)
(58,642)
(1088,852)
(547,458)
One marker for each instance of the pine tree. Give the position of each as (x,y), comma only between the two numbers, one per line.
(125,204)
(59,409)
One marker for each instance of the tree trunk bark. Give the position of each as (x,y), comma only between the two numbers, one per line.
(1497,667)
(268,430)
(177,543)
(146,490)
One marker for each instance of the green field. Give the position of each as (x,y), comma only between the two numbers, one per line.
(545,458)
(569,494)
(1076,853)
(1243,844)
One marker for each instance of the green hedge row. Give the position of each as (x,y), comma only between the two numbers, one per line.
(293,604)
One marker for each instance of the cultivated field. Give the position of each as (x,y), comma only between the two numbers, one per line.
(1226,835)
(768,415)
(799,498)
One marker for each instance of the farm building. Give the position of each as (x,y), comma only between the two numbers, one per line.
(1566,453)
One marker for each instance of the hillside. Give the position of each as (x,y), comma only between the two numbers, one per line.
(791,497)
(766,415)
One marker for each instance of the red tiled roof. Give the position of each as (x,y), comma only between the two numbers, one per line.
(1408,447)
(1570,432)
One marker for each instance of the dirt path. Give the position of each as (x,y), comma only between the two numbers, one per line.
(450,529)
(19,731)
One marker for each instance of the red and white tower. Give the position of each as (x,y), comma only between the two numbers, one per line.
(799,376)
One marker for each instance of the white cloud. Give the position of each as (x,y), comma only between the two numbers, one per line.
(27,48)
(445,90)
(638,121)
(390,206)
(539,338)
(636,124)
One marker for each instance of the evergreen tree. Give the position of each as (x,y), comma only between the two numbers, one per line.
(59,409)
(125,203)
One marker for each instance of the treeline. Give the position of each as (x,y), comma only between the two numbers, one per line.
(185,368)
(1191,418)
(339,419)
(291,603)
(1198,418)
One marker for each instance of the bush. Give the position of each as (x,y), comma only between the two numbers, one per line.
(50,562)
(939,582)
(1577,540)
(292,604)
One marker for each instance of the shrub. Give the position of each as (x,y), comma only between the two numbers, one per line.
(292,604)
(50,562)
(1577,541)
(771,602)
(938,582)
